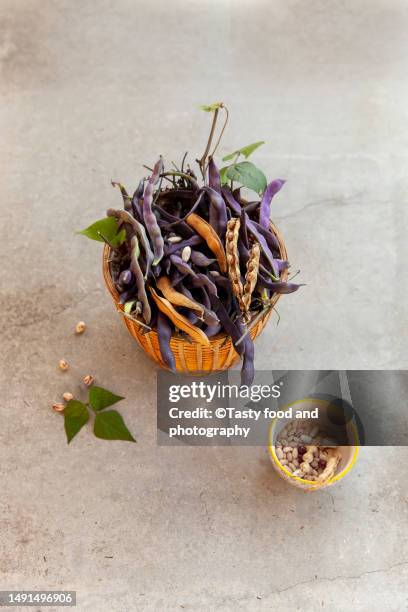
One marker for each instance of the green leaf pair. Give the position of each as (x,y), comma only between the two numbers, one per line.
(245,173)
(105,230)
(108,425)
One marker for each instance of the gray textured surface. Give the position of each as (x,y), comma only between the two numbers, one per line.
(90,91)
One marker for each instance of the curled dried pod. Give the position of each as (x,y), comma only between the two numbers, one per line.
(88,380)
(68,396)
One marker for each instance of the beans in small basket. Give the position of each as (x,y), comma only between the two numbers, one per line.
(307,452)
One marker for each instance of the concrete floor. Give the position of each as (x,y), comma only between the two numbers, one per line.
(92,90)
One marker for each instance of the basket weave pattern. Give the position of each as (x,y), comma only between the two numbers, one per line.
(191,357)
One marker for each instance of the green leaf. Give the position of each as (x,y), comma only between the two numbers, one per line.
(211,107)
(223,175)
(248,175)
(106,227)
(110,426)
(75,416)
(102,398)
(245,151)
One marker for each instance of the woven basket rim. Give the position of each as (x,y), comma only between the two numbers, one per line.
(222,336)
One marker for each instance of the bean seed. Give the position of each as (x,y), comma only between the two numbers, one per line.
(305,467)
(284,462)
(174,239)
(292,466)
(279,453)
(295,453)
(308,457)
(185,254)
(287,449)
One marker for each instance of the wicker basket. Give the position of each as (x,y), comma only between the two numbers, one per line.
(190,357)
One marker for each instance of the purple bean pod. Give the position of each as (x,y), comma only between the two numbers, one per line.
(138,229)
(181,265)
(157,271)
(251,207)
(126,277)
(282,264)
(205,297)
(223,282)
(201,260)
(150,220)
(177,278)
(243,231)
(270,238)
(227,323)
(237,194)
(210,318)
(137,201)
(140,281)
(217,212)
(214,180)
(164,336)
(201,280)
(278,287)
(126,295)
(247,370)
(212,330)
(265,208)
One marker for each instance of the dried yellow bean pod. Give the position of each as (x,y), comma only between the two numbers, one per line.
(178,319)
(206,231)
(251,275)
(231,248)
(177,298)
